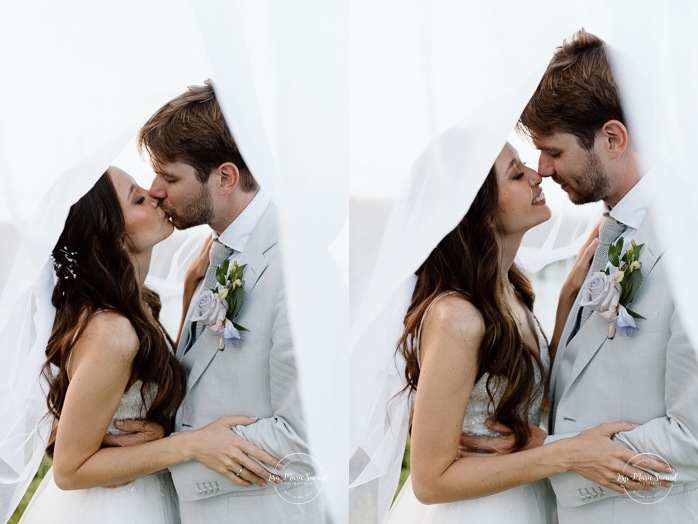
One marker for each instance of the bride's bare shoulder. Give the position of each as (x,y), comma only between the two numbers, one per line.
(110,331)
(455,315)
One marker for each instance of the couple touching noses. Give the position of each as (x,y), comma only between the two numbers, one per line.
(219,408)
(470,336)
(622,436)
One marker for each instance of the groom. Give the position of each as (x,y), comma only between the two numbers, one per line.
(201,178)
(650,379)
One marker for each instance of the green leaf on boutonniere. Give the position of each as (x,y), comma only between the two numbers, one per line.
(634,280)
(633,314)
(239,270)
(221,272)
(230,290)
(614,251)
(236,301)
(625,287)
(239,327)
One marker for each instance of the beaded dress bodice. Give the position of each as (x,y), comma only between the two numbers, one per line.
(132,406)
(480,407)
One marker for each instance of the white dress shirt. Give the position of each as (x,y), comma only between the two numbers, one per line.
(633,207)
(238,232)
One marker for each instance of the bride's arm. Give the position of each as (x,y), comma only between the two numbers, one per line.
(101,368)
(452,332)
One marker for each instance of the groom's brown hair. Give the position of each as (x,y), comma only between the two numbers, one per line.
(577,93)
(191,129)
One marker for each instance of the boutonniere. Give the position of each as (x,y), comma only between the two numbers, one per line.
(611,293)
(218,307)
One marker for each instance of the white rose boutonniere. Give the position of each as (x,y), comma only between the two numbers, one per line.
(217,308)
(600,293)
(210,309)
(610,294)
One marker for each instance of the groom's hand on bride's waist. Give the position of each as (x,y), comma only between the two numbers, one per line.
(471,445)
(135,432)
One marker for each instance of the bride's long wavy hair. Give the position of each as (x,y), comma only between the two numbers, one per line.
(468,261)
(95,272)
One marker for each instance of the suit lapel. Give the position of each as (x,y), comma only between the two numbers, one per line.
(652,251)
(199,356)
(205,348)
(185,335)
(591,332)
(256,264)
(184,339)
(264,236)
(572,320)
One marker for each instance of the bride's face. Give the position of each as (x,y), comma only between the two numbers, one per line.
(146,223)
(521,199)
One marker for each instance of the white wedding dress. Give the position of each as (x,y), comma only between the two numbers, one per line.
(148,500)
(532,503)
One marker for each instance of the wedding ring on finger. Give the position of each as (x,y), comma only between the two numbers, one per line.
(625,479)
(239,472)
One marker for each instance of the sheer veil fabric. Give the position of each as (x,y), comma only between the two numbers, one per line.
(83,80)
(483,63)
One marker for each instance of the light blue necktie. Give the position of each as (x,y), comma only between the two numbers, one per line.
(219,253)
(609,230)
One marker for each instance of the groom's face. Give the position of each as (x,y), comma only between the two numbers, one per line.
(578,171)
(180,194)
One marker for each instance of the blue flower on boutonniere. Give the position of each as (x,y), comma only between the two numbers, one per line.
(217,308)
(610,294)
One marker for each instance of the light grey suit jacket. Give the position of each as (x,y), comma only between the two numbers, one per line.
(257,379)
(649,379)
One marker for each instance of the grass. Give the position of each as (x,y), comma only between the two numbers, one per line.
(43,468)
(405,472)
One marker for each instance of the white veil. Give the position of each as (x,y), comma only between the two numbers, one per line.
(484,61)
(81,82)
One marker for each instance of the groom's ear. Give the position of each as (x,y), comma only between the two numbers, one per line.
(229,177)
(615,135)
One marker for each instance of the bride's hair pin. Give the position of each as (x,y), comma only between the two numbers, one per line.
(67,268)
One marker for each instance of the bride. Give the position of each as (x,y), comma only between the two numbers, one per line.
(108,359)
(475,353)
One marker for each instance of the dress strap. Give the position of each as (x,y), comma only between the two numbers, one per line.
(418,340)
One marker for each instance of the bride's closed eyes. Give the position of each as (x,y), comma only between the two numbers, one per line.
(517,167)
(137,193)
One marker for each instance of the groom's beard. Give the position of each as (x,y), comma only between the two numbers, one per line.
(198,210)
(591,182)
